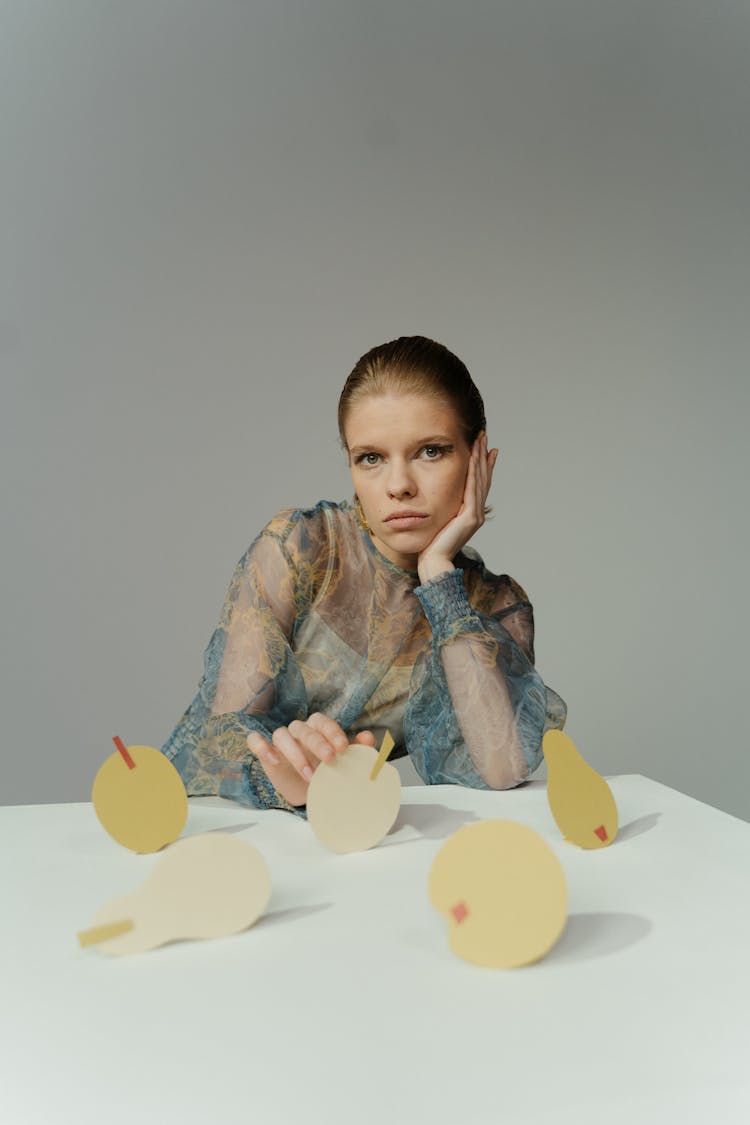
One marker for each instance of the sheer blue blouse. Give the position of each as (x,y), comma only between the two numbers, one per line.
(317,619)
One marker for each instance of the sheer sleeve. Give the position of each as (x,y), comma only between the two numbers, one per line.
(251,681)
(478,708)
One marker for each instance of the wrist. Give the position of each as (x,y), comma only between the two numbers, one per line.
(445,602)
(433,568)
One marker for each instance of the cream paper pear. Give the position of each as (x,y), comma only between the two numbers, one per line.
(206,886)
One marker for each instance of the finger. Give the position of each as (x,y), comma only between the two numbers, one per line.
(482,456)
(470,488)
(494,454)
(313,743)
(366,738)
(480,478)
(330,729)
(282,776)
(487,462)
(293,752)
(262,749)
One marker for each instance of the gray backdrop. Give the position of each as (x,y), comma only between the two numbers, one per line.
(211,209)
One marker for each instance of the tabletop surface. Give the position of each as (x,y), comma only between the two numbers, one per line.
(344,1002)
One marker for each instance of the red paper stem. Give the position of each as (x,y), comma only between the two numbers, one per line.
(124,751)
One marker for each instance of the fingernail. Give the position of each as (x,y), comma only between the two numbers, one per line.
(307,773)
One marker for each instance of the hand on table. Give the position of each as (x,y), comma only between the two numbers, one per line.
(294,752)
(437,557)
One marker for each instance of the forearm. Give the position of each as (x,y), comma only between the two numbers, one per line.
(251,681)
(484,710)
(474,664)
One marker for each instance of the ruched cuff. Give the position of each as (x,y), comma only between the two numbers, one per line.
(247,783)
(444,602)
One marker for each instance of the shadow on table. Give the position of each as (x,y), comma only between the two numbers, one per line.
(638,827)
(291,913)
(432,822)
(597,935)
(229,828)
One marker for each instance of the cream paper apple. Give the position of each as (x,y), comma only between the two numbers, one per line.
(353,801)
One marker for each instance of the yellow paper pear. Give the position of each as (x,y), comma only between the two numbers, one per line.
(579,798)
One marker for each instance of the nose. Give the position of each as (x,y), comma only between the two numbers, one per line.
(400,481)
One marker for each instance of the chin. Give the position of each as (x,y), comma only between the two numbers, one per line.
(413,534)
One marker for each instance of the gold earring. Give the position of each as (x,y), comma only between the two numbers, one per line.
(361,515)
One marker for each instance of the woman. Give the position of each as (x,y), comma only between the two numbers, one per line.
(342,620)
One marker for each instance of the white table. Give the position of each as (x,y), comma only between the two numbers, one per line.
(344,1003)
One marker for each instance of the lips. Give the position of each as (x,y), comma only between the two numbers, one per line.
(405,515)
(405,521)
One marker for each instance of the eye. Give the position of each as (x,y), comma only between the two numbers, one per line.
(435,452)
(363,459)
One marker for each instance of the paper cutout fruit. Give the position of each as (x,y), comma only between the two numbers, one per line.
(206,886)
(353,800)
(579,798)
(140,798)
(503,891)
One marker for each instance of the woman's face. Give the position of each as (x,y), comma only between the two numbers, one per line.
(406,453)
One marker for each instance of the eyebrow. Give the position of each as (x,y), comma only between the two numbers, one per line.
(432,439)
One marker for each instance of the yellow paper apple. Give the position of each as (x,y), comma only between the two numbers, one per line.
(140,798)
(503,891)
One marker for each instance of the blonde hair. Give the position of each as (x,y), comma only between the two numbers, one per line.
(415,365)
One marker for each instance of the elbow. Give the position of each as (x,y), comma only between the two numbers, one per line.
(505,779)
(508,769)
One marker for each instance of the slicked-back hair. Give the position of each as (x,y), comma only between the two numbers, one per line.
(419,366)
